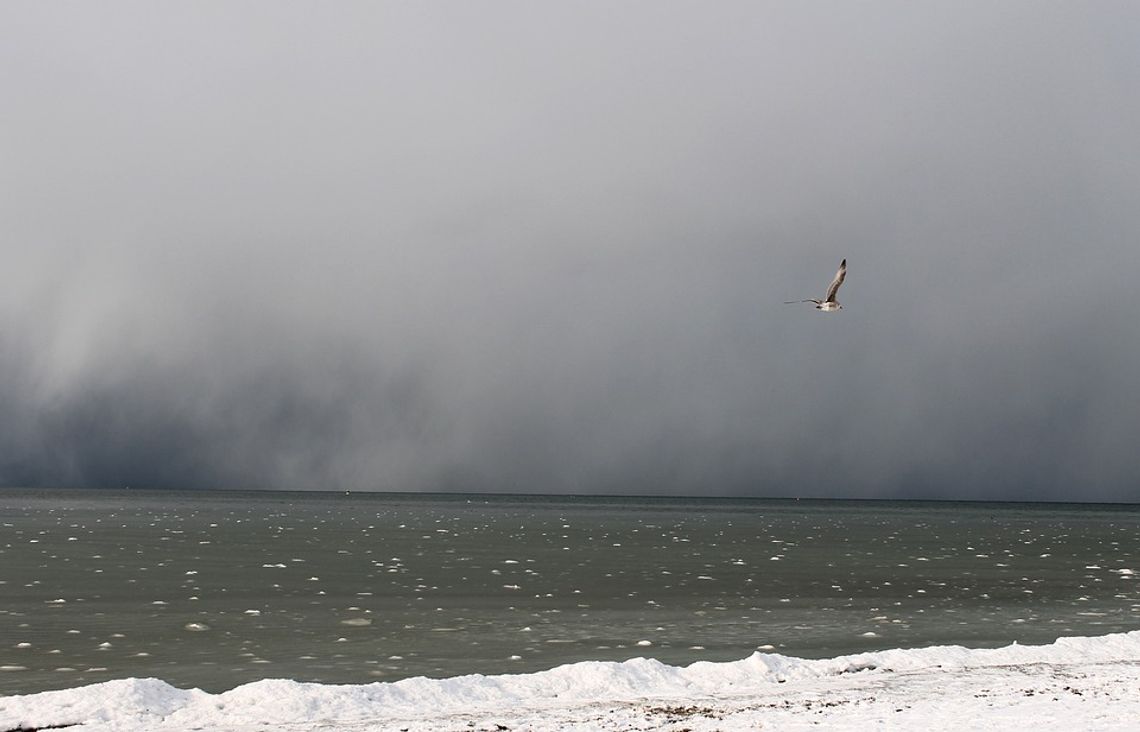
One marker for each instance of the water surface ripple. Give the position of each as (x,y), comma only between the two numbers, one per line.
(214,589)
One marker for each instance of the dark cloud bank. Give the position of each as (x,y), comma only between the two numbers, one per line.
(543,248)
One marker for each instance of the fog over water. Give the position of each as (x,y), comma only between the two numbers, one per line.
(544,248)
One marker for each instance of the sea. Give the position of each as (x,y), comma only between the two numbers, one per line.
(213,589)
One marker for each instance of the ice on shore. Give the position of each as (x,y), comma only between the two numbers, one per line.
(1075,680)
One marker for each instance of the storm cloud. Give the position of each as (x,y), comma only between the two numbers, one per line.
(543,247)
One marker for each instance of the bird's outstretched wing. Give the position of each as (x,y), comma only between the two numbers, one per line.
(796,302)
(833,288)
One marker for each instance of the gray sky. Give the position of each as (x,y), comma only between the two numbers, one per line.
(543,247)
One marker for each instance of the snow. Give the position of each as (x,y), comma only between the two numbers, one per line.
(1074,683)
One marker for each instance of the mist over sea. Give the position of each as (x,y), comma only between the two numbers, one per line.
(215,589)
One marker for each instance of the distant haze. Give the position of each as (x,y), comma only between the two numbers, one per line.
(543,247)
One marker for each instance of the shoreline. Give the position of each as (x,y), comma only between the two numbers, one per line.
(1084,682)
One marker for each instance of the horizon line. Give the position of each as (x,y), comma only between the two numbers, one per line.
(515,494)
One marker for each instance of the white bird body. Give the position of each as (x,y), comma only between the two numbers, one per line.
(829,304)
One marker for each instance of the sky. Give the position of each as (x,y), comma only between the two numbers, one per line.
(544,247)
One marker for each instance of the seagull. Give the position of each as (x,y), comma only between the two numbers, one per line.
(829,303)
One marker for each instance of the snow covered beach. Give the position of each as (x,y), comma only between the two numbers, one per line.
(1074,683)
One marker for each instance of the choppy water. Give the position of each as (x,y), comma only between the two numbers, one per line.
(217,589)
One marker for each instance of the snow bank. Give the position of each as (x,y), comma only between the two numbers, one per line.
(150,704)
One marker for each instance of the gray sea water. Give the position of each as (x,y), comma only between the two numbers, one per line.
(214,589)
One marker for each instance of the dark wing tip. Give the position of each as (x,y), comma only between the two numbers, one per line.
(843,263)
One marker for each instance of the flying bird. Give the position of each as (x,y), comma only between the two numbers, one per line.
(828,303)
